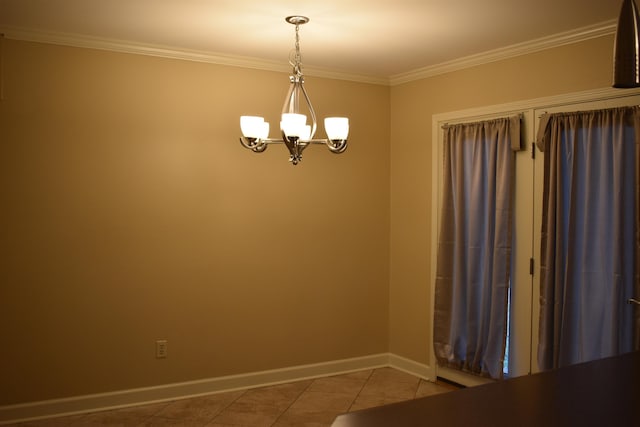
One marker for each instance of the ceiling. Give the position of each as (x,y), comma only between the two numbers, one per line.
(375,38)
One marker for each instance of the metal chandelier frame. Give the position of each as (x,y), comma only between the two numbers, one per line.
(296,135)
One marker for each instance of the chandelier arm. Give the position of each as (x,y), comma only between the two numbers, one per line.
(259,145)
(266,141)
(259,149)
(254,144)
(314,123)
(334,145)
(337,146)
(295,146)
(273,141)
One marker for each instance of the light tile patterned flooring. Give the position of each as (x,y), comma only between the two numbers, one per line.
(304,403)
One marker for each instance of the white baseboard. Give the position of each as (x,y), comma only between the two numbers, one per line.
(412,367)
(163,393)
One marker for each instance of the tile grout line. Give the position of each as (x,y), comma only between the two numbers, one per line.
(291,404)
(415,393)
(360,391)
(225,407)
(155,414)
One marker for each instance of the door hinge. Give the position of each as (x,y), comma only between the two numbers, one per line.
(533,150)
(531,266)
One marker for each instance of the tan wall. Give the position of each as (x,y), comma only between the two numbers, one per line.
(572,68)
(131,213)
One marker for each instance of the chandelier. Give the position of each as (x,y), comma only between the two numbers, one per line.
(296,133)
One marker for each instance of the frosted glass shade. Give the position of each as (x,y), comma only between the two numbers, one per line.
(306,133)
(265,131)
(293,125)
(254,127)
(337,128)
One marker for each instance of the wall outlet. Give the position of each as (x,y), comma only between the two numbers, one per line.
(161,349)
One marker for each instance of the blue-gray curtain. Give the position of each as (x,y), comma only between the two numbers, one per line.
(474,245)
(589,253)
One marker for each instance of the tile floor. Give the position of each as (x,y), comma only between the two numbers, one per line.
(304,403)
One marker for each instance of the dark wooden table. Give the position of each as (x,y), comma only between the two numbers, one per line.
(601,393)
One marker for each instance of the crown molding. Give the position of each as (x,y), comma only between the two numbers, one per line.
(544,43)
(123,46)
(116,45)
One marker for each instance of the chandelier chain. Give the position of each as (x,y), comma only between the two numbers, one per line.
(297,57)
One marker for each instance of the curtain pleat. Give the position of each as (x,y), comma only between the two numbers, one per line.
(474,245)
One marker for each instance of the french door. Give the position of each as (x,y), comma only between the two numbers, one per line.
(524,306)
(539,180)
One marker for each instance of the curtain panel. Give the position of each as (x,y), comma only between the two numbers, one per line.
(590,235)
(474,245)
